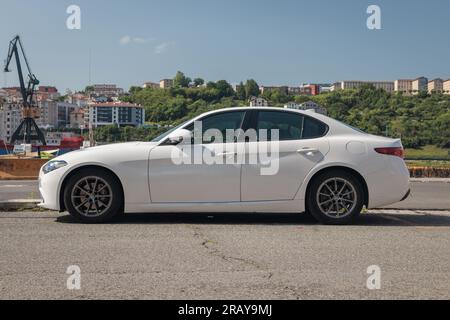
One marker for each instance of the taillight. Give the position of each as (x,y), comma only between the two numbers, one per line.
(394,151)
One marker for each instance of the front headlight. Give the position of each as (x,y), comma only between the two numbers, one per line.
(53,165)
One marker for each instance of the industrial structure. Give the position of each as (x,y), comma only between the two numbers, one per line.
(28,130)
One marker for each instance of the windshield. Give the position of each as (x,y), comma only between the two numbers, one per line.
(165,134)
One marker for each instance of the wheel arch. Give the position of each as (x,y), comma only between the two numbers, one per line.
(62,205)
(347,169)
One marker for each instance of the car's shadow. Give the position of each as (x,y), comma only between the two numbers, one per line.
(372,219)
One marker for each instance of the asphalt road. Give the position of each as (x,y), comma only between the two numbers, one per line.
(225,256)
(425,195)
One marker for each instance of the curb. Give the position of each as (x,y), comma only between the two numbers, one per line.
(444,180)
(19,204)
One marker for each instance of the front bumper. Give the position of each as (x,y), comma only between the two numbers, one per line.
(49,186)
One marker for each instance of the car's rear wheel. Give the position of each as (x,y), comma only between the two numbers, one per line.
(335,197)
(93,196)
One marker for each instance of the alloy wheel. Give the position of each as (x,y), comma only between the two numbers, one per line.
(91,196)
(336,197)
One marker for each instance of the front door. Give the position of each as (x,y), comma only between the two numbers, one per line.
(215,179)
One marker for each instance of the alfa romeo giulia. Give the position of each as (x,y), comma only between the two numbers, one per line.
(296,161)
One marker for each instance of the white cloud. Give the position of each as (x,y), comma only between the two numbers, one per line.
(163,47)
(138,40)
(125,40)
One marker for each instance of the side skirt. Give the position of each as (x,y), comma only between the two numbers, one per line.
(284,206)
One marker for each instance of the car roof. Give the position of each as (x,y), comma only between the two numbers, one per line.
(335,126)
(254,108)
(310,113)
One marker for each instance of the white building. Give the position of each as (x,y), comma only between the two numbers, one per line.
(258,102)
(446,87)
(404,86)
(354,84)
(55,114)
(150,84)
(419,85)
(436,86)
(166,83)
(107,90)
(309,105)
(10,119)
(115,113)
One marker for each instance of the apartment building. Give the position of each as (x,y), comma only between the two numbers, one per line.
(166,83)
(446,87)
(420,84)
(107,90)
(310,89)
(47,93)
(403,86)
(294,91)
(10,119)
(354,84)
(55,114)
(115,113)
(150,84)
(78,99)
(267,89)
(309,105)
(77,119)
(436,86)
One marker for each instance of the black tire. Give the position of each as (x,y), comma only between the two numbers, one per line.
(343,208)
(107,207)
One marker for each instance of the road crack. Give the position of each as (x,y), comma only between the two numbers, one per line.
(211,247)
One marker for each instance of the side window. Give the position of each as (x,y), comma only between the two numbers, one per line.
(313,128)
(221,122)
(288,124)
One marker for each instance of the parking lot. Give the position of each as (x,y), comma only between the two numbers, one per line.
(226,256)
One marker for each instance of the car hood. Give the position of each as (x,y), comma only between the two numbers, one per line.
(109,149)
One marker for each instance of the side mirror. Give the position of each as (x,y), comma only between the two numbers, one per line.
(180,136)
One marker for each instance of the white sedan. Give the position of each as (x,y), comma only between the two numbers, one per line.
(278,160)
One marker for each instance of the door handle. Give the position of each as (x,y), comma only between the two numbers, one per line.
(308,151)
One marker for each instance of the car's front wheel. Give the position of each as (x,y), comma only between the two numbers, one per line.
(93,196)
(335,197)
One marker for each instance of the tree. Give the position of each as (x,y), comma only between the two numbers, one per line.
(225,89)
(240,91)
(198,82)
(89,89)
(134,89)
(251,88)
(211,85)
(181,80)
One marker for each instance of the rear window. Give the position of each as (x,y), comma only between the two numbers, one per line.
(313,128)
(290,125)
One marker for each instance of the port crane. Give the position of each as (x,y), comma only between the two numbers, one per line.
(28,130)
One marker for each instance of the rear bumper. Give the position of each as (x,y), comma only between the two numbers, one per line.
(390,185)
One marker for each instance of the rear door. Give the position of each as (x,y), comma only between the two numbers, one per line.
(301,145)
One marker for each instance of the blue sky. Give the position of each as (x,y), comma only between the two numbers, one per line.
(274,42)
